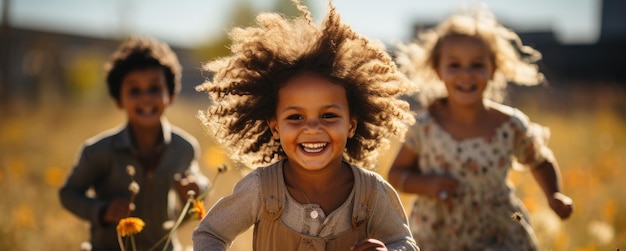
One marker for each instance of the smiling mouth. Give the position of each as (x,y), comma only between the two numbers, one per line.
(146,111)
(469,88)
(313,147)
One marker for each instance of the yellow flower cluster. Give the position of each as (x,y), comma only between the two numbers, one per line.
(130,226)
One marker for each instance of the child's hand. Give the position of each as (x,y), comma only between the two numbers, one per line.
(561,204)
(442,187)
(369,244)
(116,210)
(183,185)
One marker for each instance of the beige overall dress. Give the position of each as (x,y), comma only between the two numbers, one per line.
(271,234)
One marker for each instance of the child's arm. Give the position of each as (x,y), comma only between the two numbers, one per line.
(406,177)
(230,216)
(530,149)
(389,223)
(547,176)
(369,244)
(189,177)
(115,210)
(84,175)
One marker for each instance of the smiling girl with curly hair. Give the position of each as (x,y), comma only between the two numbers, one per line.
(312,104)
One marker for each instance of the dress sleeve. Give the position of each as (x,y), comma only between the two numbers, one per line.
(531,141)
(230,216)
(389,222)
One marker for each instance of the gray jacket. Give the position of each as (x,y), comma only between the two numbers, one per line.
(101,168)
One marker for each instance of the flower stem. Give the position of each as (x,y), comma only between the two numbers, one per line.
(221,169)
(178,221)
(120,242)
(132,242)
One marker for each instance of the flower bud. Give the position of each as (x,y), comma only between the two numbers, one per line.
(130,170)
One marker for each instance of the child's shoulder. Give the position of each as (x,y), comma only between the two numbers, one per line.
(367,173)
(251,180)
(103,144)
(272,172)
(373,188)
(513,114)
(371,179)
(179,135)
(105,137)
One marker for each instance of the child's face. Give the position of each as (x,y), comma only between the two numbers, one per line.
(144,96)
(312,122)
(465,66)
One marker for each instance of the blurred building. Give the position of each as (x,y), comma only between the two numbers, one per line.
(600,62)
(36,65)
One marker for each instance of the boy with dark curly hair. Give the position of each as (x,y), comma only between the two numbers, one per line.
(143,78)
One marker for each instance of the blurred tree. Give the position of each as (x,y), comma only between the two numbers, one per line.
(243,14)
(289,9)
(5,49)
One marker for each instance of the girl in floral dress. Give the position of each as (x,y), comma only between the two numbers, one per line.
(456,157)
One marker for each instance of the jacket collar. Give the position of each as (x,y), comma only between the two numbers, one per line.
(123,139)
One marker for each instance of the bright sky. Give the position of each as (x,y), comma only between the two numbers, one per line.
(190,22)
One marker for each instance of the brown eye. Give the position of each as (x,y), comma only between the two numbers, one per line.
(478,65)
(294,117)
(134,92)
(154,90)
(329,115)
(454,65)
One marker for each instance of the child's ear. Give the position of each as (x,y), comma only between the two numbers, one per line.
(352,129)
(272,125)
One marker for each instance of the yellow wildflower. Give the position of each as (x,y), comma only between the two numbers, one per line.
(129,226)
(54,176)
(198,209)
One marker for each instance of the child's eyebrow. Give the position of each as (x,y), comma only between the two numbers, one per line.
(481,58)
(295,107)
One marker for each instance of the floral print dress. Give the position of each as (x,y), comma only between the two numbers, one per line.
(479,215)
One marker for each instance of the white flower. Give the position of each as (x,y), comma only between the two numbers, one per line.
(130,170)
(133,187)
(601,231)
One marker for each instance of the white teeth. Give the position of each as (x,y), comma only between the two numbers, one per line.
(313,147)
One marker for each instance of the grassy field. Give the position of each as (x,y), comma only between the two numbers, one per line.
(39,143)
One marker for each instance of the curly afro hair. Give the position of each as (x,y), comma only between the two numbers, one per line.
(244,86)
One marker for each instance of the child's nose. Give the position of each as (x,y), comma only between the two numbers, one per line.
(467,71)
(145,93)
(313,125)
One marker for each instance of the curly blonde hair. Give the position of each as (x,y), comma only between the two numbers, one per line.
(513,61)
(244,86)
